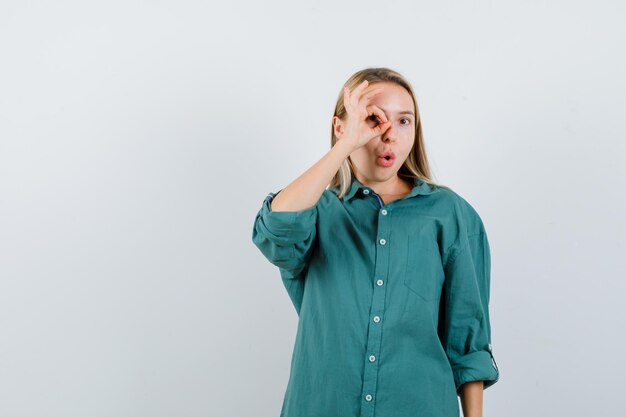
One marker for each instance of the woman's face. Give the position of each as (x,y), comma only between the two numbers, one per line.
(398,106)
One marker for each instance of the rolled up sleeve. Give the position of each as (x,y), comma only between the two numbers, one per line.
(465,326)
(286,238)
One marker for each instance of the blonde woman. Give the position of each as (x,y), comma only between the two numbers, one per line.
(389,272)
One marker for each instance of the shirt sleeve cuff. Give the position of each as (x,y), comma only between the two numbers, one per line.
(292,225)
(476,366)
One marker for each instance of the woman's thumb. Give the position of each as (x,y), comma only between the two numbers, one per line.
(382,127)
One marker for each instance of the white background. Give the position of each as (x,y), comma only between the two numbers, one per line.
(139,139)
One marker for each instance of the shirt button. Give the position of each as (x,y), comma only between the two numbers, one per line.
(372,358)
(384,212)
(383,241)
(379,282)
(376,319)
(366,191)
(368,397)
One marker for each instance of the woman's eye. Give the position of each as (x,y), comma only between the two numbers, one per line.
(408,121)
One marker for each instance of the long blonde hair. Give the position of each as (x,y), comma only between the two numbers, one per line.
(415,165)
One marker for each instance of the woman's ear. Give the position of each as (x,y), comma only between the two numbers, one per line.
(337,126)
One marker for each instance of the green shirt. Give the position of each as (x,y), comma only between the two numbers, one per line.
(392,301)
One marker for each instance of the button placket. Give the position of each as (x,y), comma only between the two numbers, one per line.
(372,359)
(380,200)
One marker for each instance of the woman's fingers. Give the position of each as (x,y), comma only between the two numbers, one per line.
(358,109)
(366,97)
(375,110)
(355,95)
(353,98)
(359,88)
(381,127)
(382,124)
(346,98)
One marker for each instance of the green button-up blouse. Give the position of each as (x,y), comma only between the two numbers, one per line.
(392,301)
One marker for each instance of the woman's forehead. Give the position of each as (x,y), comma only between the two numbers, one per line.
(393,99)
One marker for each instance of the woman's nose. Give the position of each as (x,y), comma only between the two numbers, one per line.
(389,134)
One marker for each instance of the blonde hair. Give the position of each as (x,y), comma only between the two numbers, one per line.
(416,164)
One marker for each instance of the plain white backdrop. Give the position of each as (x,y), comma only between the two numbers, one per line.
(139,139)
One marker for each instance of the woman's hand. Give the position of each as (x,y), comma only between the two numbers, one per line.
(363,121)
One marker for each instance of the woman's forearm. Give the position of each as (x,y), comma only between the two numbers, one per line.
(472,399)
(306,190)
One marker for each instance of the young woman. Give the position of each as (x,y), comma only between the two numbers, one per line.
(389,272)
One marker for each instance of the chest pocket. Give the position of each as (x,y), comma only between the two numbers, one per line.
(424,273)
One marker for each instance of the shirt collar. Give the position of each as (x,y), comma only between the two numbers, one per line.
(419,188)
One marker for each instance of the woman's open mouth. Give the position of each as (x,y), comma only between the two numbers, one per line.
(385,161)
